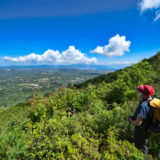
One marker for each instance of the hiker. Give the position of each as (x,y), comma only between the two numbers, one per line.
(142,117)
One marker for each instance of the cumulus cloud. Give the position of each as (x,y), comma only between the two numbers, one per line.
(69,56)
(75,56)
(117,47)
(99,50)
(150,5)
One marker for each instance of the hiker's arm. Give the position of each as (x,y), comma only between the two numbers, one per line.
(137,122)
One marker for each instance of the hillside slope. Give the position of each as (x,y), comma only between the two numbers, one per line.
(154,62)
(87,122)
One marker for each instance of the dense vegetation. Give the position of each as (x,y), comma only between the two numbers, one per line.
(19,84)
(86,121)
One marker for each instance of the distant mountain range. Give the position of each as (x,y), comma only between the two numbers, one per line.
(74,66)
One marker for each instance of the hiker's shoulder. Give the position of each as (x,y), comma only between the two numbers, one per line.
(144,104)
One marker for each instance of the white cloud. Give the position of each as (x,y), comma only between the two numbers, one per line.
(157,15)
(75,56)
(99,50)
(69,56)
(117,47)
(149,4)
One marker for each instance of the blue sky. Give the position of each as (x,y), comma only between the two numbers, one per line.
(102,32)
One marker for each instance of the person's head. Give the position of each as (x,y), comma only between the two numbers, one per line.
(145,91)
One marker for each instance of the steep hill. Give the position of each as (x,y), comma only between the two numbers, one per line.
(88,121)
(107,78)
